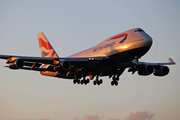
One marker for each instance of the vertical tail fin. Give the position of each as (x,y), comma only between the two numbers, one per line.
(45,47)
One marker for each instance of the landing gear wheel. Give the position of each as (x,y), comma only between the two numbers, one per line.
(87,80)
(74,81)
(78,81)
(101,81)
(94,82)
(98,82)
(112,83)
(82,81)
(116,83)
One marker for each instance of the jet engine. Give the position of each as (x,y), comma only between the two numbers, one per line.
(145,70)
(16,64)
(63,65)
(161,71)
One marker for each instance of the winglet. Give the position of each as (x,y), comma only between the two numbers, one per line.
(171,61)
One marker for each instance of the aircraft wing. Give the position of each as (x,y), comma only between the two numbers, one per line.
(171,62)
(33,63)
(146,68)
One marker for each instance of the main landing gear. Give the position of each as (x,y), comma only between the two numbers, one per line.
(83,81)
(76,81)
(97,81)
(86,81)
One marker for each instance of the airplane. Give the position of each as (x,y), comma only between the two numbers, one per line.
(108,58)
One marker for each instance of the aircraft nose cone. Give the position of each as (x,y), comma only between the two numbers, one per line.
(148,41)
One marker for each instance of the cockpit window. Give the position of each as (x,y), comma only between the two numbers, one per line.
(139,30)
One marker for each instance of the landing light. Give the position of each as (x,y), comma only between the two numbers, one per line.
(124,47)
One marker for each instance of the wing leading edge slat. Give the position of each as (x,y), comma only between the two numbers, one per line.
(77,62)
(171,62)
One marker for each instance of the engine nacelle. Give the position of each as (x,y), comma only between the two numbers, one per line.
(145,70)
(63,65)
(161,71)
(16,64)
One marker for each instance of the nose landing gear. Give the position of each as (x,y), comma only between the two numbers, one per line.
(115,80)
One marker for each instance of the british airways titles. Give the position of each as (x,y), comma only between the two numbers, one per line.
(104,47)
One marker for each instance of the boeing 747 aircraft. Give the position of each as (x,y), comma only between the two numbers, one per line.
(109,58)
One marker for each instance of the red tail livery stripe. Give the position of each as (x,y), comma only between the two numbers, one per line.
(44,44)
